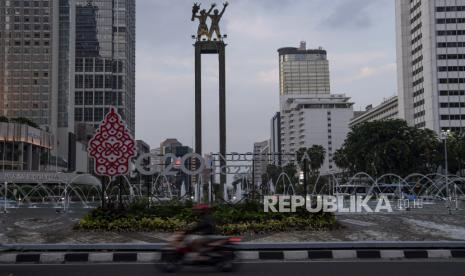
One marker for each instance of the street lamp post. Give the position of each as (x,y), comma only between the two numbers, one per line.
(306,179)
(445,136)
(4,198)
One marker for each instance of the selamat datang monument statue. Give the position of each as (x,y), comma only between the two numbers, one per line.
(205,44)
(215,18)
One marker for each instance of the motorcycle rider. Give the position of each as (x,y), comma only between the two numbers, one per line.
(199,236)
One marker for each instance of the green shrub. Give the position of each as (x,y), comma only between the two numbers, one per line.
(174,216)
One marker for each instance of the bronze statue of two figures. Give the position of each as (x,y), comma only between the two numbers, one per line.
(215,18)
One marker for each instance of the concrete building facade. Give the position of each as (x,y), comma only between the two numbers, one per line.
(388,109)
(309,113)
(261,159)
(431,63)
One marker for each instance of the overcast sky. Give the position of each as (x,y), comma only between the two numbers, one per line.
(359,36)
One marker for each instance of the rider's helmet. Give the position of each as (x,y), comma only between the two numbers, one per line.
(202,208)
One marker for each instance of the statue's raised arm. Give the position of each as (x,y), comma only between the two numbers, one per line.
(211,9)
(195,10)
(224,8)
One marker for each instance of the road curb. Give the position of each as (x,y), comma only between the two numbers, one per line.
(285,255)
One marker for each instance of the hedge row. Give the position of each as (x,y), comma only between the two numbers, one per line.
(231,220)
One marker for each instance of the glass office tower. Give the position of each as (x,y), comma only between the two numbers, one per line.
(28,80)
(104,63)
(303,71)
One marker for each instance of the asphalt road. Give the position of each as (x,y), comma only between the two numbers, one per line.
(330,268)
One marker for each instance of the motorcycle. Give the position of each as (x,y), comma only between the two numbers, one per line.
(218,252)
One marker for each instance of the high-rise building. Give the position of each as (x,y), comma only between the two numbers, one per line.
(29,62)
(63,63)
(308,121)
(431,63)
(261,159)
(35,43)
(309,113)
(65,50)
(302,71)
(104,62)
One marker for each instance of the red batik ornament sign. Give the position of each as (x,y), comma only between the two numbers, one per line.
(112,146)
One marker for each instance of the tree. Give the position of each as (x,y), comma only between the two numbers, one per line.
(341,160)
(389,146)
(455,153)
(273,172)
(317,158)
(24,121)
(311,160)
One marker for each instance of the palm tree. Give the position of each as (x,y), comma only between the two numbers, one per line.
(311,160)
(317,155)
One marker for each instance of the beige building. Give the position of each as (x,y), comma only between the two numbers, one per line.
(388,109)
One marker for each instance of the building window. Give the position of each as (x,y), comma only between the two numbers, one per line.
(108,66)
(99,81)
(110,98)
(78,114)
(98,65)
(98,113)
(78,98)
(89,65)
(98,100)
(79,80)
(89,81)
(88,98)
(107,81)
(79,65)
(88,114)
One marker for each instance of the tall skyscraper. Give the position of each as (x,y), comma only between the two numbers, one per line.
(431,63)
(104,62)
(302,71)
(309,113)
(64,49)
(34,66)
(29,64)
(63,63)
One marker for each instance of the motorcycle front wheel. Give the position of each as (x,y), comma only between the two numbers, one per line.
(171,261)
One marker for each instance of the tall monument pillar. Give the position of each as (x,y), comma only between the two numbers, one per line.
(201,48)
(206,44)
